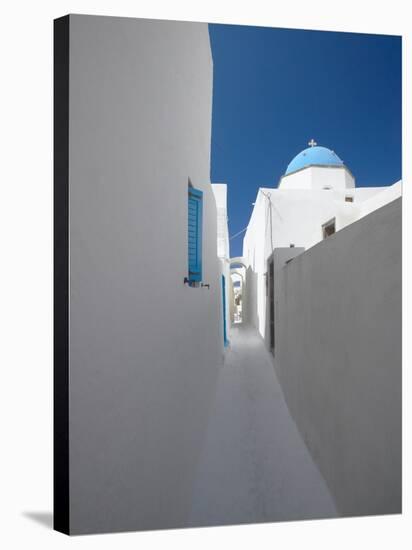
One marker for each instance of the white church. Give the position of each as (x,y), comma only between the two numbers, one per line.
(316,197)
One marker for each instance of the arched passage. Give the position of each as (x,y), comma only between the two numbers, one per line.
(239,260)
(238,287)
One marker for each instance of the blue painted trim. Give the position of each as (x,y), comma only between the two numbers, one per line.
(195,234)
(225,340)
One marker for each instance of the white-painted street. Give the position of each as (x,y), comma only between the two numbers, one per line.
(255,466)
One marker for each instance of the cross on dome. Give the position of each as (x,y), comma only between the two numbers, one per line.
(312,143)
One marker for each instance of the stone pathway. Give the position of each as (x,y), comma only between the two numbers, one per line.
(255,466)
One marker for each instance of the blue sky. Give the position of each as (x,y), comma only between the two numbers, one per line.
(275,89)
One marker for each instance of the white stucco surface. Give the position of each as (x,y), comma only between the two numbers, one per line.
(378,200)
(338,355)
(318,177)
(254,465)
(220,194)
(286,216)
(223,249)
(144,347)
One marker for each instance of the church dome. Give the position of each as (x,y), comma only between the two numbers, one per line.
(314,155)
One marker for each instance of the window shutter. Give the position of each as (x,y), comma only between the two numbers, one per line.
(195,207)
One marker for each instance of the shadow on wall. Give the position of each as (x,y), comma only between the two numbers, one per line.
(267,335)
(250,315)
(339,362)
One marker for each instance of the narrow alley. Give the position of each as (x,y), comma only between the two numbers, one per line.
(255,466)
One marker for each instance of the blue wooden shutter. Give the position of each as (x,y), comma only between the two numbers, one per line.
(195,207)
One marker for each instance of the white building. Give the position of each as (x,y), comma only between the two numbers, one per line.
(223,252)
(143,274)
(316,197)
(143,337)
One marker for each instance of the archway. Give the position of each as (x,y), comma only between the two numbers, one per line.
(238,286)
(239,260)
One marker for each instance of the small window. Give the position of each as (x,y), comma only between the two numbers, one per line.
(195,213)
(348,198)
(328,228)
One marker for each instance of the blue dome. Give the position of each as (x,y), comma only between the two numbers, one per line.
(313,155)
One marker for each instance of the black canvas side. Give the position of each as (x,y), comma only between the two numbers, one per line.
(61,276)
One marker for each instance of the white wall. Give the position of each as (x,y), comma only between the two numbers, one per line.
(387,195)
(254,251)
(225,271)
(318,177)
(220,194)
(223,251)
(338,358)
(144,347)
(282,217)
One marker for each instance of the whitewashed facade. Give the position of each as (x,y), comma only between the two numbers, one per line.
(223,252)
(145,346)
(308,202)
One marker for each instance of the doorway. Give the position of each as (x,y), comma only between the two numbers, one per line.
(271,298)
(225,340)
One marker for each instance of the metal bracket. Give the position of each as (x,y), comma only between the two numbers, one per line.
(195,284)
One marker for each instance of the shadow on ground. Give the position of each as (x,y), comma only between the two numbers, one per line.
(42,518)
